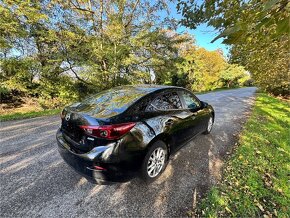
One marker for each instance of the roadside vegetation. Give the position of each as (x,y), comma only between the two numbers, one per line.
(256,31)
(256,176)
(28,114)
(57,52)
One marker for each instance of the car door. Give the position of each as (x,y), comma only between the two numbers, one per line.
(192,104)
(162,109)
(171,118)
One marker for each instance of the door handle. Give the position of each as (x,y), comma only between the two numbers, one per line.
(169,122)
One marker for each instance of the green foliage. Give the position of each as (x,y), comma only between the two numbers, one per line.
(47,54)
(256,177)
(60,51)
(4,94)
(234,75)
(203,70)
(180,79)
(62,88)
(18,73)
(258,32)
(268,65)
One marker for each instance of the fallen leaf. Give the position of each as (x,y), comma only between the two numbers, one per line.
(275,212)
(228,209)
(260,206)
(280,190)
(258,152)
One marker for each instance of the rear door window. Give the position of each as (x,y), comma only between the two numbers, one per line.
(166,101)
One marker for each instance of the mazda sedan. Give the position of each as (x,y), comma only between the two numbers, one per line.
(130,130)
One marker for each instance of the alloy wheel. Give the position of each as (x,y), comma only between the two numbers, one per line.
(156,162)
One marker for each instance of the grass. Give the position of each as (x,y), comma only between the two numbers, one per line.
(256,178)
(30,114)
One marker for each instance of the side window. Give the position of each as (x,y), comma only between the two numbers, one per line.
(165,101)
(190,101)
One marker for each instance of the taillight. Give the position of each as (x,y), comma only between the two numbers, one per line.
(99,168)
(112,132)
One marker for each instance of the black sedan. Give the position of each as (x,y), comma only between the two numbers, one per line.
(130,130)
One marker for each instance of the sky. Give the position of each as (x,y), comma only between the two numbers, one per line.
(203,34)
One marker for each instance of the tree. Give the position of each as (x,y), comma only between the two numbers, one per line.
(125,43)
(231,75)
(90,45)
(18,74)
(257,30)
(202,67)
(268,65)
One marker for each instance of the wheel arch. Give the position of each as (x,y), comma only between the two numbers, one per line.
(164,137)
(212,112)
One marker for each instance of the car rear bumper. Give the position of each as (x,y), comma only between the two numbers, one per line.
(84,163)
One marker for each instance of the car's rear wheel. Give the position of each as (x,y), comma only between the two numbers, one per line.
(209,125)
(155,161)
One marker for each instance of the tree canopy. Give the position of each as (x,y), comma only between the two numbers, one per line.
(257,30)
(208,70)
(56,49)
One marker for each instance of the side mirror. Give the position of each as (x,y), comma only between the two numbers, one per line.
(203,104)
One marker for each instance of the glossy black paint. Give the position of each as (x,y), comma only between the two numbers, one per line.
(122,158)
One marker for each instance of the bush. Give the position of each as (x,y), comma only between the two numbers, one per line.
(282,90)
(50,103)
(5,94)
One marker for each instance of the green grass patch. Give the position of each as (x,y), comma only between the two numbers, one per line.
(31,114)
(256,178)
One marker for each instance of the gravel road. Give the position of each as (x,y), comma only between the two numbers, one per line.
(35,181)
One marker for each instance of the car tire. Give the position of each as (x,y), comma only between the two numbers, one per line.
(209,125)
(153,165)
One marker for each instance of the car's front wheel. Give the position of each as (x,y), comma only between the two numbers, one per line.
(155,161)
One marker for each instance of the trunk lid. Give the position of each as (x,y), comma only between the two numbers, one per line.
(75,135)
(97,110)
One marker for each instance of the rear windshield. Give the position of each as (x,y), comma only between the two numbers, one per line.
(110,102)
